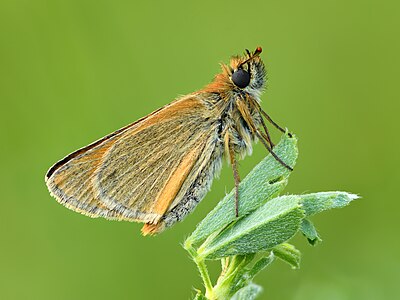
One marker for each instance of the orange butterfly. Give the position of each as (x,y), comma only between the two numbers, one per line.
(159,168)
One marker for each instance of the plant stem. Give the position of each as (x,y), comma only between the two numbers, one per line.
(206,278)
(201,266)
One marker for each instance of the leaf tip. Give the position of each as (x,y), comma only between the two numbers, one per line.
(353,196)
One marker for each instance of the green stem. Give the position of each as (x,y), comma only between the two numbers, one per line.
(206,278)
(201,266)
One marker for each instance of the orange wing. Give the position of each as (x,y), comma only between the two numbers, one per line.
(136,172)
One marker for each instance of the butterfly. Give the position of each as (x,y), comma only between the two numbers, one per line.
(157,169)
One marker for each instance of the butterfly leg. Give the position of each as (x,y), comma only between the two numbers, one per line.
(267,135)
(236,176)
(263,137)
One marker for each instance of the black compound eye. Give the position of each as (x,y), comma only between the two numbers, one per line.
(241,78)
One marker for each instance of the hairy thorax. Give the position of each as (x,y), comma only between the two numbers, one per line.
(231,123)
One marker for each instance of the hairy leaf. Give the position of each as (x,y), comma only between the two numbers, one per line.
(317,202)
(249,292)
(270,225)
(288,253)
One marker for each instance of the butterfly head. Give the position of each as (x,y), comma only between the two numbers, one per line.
(244,74)
(247,71)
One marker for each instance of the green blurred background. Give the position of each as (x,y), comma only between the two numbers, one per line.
(73,71)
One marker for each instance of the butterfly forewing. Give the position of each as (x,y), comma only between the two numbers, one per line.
(137,173)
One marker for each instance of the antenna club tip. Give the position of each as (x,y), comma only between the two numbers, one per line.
(258,49)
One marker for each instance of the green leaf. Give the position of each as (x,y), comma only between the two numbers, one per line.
(270,225)
(309,231)
(249,292)
(317,202)
(264,182)
(288,253)
(261,264)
